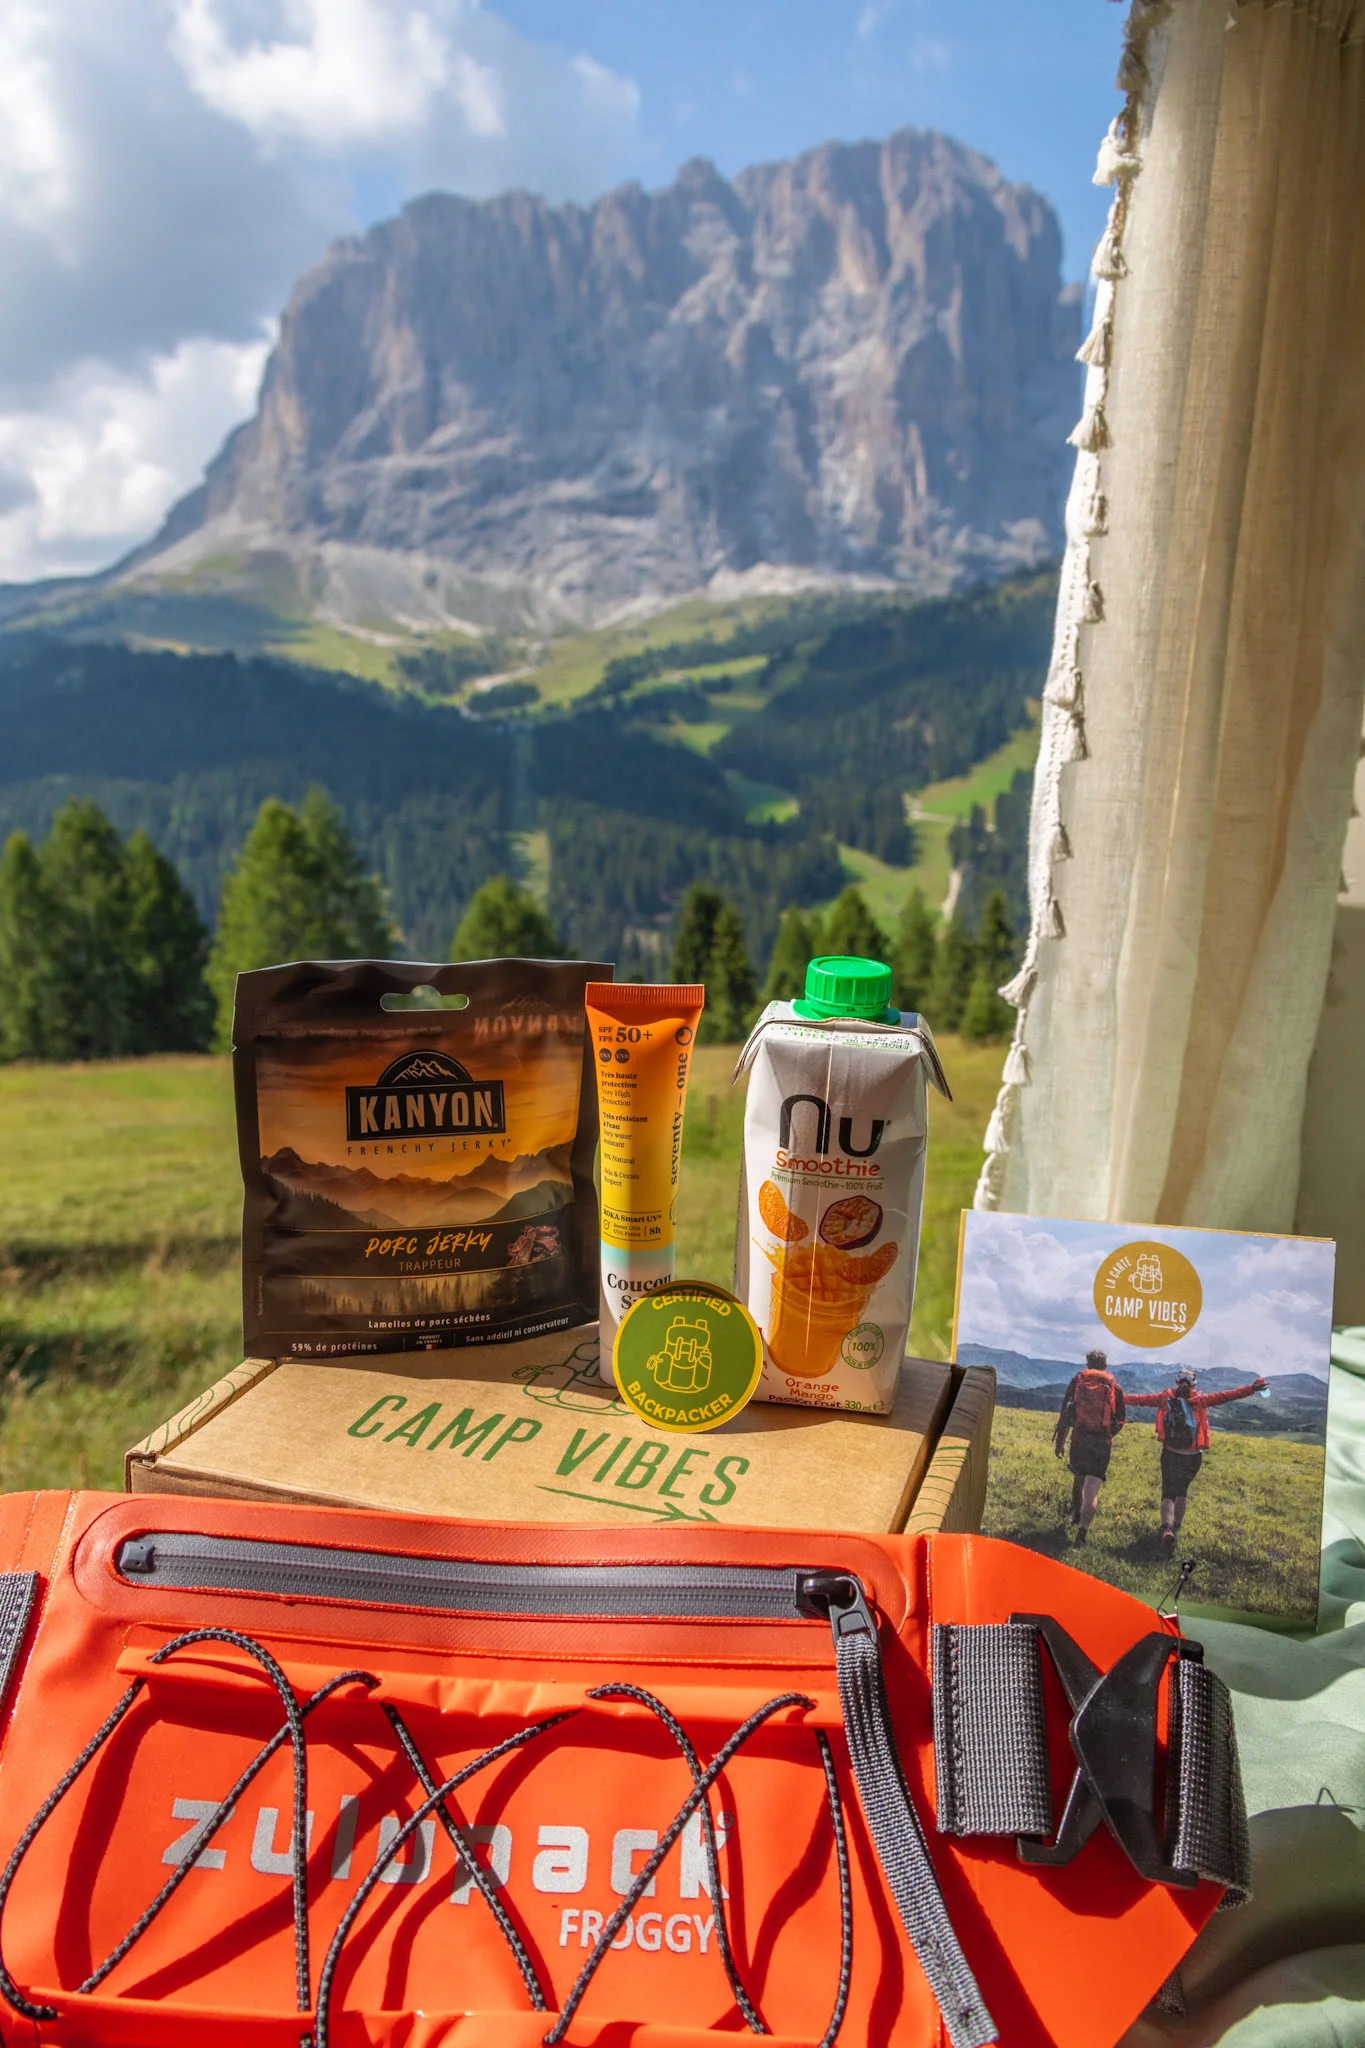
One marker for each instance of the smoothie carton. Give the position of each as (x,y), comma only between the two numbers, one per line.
(832,1185)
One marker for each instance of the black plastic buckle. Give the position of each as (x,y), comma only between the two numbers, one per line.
(1113,1735)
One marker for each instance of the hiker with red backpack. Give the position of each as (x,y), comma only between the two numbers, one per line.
(1182,1430)
(1093,1412)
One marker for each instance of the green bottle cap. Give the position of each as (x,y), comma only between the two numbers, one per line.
(841,985)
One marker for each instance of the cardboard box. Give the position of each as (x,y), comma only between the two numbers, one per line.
(952,1494)
(529,1432)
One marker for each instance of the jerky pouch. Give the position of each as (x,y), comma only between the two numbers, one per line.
(831,1192)
(415,1176)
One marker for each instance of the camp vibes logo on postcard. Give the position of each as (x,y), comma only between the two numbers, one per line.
(1148,1294)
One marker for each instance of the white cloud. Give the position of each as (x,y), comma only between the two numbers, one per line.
(171,166)
(351,71)
(870,20)
(136,218)
(87,476)
(606,92)
(929,53)
(34,180)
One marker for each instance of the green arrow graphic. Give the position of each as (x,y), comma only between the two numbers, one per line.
(637,1507)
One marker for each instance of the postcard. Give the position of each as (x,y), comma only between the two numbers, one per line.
(1161,1400)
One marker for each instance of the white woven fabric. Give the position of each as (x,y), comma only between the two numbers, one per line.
(1203,710)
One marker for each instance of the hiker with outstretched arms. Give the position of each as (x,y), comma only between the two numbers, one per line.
(1093,1412)
(1182,1430)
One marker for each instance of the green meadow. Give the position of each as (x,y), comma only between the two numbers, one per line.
(119,1216)
(1252,1522)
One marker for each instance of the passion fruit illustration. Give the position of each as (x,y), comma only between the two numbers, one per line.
(851,1223)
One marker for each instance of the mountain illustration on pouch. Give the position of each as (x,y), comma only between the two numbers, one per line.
(315,1194)
(1161,1401)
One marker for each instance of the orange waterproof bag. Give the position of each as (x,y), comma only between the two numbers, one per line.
(277,1775)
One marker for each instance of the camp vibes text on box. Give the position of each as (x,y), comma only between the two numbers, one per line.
(683,1485)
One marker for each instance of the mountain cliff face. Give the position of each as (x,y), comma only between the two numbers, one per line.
(854,365)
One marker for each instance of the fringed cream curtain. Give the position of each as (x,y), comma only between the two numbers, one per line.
(1202,715)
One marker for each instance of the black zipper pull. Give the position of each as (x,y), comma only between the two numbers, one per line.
(839,1599)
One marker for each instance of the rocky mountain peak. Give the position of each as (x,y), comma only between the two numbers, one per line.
(853,365)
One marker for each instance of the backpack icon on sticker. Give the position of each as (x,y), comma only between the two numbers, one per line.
(684,1364)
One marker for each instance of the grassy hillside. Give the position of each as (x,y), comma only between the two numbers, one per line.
(933,811)
(936,808)
(216,611)
(119,1220)
(771,748)
(1253,1522)
(567,667)
(256,605)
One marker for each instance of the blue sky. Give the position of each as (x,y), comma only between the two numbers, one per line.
(1028,82)
(1028,1286)
(172,166)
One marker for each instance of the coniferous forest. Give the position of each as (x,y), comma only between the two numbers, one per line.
(165,815)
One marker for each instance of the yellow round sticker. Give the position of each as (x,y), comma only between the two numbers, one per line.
(1148,1294)
(687,1357)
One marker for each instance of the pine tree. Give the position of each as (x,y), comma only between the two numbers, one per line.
(954,964)
(793,949)
(995,937)
(986,1014)
(296,892)
(851,928)
(731,992)
(502,922)
(91,994)
(25,957)
(348,903)
(696,932)
(916,945)
(101,949)
(171,1009)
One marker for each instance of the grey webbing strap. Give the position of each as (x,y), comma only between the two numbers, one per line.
(18,1590)
(990,1731)
(991,1754)
(1206,1820)
(894,1825)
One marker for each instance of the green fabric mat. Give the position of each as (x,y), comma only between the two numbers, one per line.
(1288,1970)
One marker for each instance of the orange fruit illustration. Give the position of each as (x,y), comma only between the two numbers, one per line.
(867,1272)
(778,1217)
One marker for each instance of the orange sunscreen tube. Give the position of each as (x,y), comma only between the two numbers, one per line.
(642,1040)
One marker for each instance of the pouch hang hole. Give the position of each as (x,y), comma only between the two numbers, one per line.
(424,997)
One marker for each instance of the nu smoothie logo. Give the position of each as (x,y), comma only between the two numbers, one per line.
(424,1091)
(820,1126)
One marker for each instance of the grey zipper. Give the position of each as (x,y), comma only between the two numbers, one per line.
(619,1592)
(300,1571)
